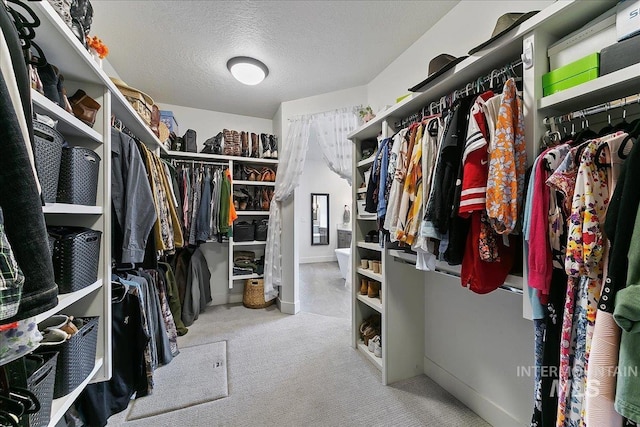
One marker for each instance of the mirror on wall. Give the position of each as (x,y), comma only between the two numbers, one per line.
(319,219)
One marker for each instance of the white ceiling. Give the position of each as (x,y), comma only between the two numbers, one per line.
(176,51)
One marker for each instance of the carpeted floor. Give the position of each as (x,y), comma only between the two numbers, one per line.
(301,371)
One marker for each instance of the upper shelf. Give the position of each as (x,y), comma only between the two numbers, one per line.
(68,124)
(605,88)
(558,19)
(222,158)
(64,50)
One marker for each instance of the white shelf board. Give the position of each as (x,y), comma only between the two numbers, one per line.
(253,213)
(247,276)
(361,190)
(68,124)
(260,183)
(369,160)
(220,157)
(397,253)
(372,217)
(370,246)
(370,274)
(65,300)
(377,361)
(374,303)
(63,208)
(605,88)
(251,243)
(61,405)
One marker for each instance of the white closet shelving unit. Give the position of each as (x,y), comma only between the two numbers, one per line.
(403,294)
(243,215)
(81,72)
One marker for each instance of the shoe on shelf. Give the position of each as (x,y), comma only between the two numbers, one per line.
(377,347)
(372,342)
(373,290)
(266,149)
(273,142)
(364,263)
(255,145)
(364,287)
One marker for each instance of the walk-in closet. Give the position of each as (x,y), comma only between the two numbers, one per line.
(275,213)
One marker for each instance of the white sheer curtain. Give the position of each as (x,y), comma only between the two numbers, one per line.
(292,155)
(331,130)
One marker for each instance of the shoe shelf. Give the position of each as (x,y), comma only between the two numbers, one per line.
(366,218)
(369,245)
(370,274)
(376,361)
(251,243)
(206,156)
(65,300)
(256,183)
(366,162)
(247,276)
(63,208)
(68,124)
(374,303)
(61,405)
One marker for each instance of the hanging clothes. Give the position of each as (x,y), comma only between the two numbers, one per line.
(395,173)
(407,225)
(132,200)
(198,288)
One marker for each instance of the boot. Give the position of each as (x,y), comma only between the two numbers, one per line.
(237,143)
(255,145)
(273,141)
(213,145)
(266,150)
(228,142)
(244,137)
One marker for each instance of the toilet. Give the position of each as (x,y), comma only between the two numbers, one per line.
(344,260)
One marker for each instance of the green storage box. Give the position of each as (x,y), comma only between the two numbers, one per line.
(570,75)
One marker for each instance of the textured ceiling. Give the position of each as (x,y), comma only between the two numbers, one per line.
(176,51)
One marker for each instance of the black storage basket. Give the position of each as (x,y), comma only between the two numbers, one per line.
(243,231)
(41,383)
(262,227)
(47,152)
(76,255)
(76,357)
(78,182)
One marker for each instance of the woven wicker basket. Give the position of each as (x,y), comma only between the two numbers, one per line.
(253,296)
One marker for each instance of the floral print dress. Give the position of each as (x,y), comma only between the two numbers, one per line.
(583,265)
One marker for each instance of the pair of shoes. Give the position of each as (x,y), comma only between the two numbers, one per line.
(370,327)
(377,346)
(372,237)
(267,175)
(364,287)
(267,195)
(269,146)
(242,199)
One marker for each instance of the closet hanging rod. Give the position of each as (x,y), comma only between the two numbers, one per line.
(399,258)
(469,89)
(200,162)
(601,108)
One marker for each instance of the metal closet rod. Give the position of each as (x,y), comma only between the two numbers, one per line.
(601,108)
(199,162)
(469,89)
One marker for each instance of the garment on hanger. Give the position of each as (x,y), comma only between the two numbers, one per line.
(411,199)
(133,204)
(394,174)
(198,288)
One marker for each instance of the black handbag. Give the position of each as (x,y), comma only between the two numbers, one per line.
(262,227)
(189,141)
(243,231)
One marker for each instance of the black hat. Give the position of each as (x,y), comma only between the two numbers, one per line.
(503,25)
(437,66)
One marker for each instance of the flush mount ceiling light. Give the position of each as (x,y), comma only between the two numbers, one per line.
(247,70)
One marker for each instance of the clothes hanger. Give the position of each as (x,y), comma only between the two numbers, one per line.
(608,128)
(623,125)
(585,133)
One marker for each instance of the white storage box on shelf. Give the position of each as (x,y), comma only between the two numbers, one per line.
(590,38)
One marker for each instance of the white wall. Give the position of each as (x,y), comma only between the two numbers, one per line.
(208,123)
(477,18)
(318,178)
